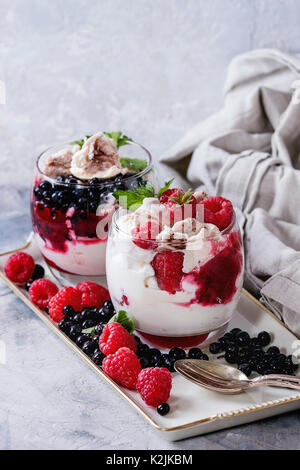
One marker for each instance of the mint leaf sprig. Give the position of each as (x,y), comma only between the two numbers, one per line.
(133,198)
(182,198)
(164,188)
(133,164)
(120,317)
(119,138)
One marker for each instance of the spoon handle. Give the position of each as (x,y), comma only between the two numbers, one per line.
(277,380)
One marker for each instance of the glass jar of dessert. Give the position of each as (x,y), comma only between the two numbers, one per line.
(175,263)
(72,200)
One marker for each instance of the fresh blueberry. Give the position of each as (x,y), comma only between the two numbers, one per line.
(45,186)
(142,350)
(47,310)
(243,355)
(245,368)
(65,325)
(177,353)
(153,355)
(94,181)
(74,332)
(215,348)
(108,305)
(38,272)
(163,409)
(95,340)
(273,351)
(98,329)
(83,338)
(28,284)
(234,332)
(77,318)
(195,353)
(86,314)
(68,311)
(264,338)
(88,347)
(205,357)
(144,362)
(230,357)
(291,363)
(169,362)
(88,324)
(98,357)
(242,338)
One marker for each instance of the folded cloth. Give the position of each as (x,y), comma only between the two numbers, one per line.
(249,152)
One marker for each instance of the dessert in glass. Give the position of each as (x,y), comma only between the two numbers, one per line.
(72,199)
(175,263)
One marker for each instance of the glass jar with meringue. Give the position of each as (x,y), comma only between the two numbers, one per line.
(176,265)
(72,200)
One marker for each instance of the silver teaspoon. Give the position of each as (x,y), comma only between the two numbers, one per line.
(226,379)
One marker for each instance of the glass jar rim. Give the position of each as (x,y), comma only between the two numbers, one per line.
(102,183)
(115,225)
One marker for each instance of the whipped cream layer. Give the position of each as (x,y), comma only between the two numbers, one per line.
(81,257)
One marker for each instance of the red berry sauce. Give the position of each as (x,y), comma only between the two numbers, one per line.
(216,279)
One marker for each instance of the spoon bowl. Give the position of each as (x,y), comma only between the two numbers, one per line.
(226,379)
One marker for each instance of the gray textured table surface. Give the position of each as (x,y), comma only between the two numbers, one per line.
(152,69)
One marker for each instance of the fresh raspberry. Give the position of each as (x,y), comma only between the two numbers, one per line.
(144,235)
(179,209)
(113,337)
(168,270)
(164,198)
(41,291)
(123,366)
(154,385)
(92,294)
(218,211)
(19,267)
(66,296)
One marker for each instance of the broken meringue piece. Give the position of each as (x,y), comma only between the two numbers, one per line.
(58,164)
(98,158)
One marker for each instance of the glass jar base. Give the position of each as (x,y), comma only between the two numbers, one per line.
(184,342)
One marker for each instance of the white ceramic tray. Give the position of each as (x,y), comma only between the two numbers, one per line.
(195,410)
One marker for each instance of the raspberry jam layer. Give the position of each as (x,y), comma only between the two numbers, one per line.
(57,227)
(216,280)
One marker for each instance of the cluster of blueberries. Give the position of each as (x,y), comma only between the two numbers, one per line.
(236,345)
(69,192)
(152,357)
(249,353)
(74,323)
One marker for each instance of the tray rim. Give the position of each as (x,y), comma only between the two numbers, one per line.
(130,400)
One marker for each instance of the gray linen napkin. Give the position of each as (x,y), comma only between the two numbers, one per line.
(249,152)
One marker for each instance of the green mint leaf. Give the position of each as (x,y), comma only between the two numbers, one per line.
(118,138)
(122,318)
(89,331)
(80,142)
(133,164)
(165,187)
(133,199)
